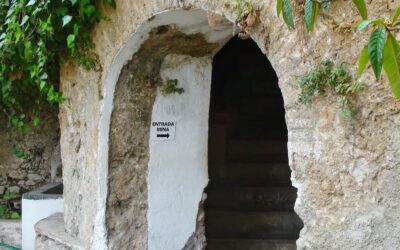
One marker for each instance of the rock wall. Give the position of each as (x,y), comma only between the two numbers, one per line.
(347,176)
(10,232)
(42,163)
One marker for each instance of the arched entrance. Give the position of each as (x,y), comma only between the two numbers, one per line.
(250,198)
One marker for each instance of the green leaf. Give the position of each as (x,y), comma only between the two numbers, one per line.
(279,7)
(391,64)
(396,14)
(363,60)
(76,29)
(62,11)
(5,87)
(42,85)
(287,13)
(362,9)
(36,121)
(379,22)
(310,13)
(66,19)
(28,51)
(326,5)
(14,216)
(70,40)
(376,46)
(30,3)
(8,195)
(110,2)
(73,2)
(24,20)
(363,25)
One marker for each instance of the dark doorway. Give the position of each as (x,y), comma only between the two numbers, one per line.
(250,198)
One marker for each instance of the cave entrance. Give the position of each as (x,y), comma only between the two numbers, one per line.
(250,197)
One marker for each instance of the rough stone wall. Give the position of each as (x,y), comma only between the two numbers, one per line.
(198,239)
(79,132)
(45,243)
(42,163)
(347,176)
(10,232)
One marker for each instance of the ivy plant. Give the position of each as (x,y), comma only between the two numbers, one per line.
(333,77)
(35,35)
(6,209)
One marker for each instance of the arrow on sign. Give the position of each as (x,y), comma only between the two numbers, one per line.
(163,135)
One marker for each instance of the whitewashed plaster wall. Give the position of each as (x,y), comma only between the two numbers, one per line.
(178,168)
(34,211)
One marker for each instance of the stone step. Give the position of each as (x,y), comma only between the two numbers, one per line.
(251,198)
(261,106)
(250,174)
(249,244)
(257,151)
(261,225)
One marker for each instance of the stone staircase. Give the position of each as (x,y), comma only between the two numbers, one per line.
(250,198)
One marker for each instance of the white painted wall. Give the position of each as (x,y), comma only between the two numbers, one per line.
(34,211)
(178,169)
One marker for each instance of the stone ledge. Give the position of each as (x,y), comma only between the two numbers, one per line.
(10,232)
(51,234)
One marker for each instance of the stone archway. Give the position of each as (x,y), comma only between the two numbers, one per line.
(141,210)
(161,209)
(250,198)
(342,174)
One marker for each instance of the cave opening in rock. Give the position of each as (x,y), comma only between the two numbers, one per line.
(250,197)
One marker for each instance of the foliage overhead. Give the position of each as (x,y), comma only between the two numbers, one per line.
(35,36)
(382,50)
(328,75)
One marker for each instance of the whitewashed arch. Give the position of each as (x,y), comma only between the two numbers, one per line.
(188,22)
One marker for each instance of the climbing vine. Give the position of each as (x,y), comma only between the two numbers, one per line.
(35,36)
(382,50)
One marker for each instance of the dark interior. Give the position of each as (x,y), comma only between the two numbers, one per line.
(250,198)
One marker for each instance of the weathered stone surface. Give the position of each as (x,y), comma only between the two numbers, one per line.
(347,176)
(50,234)
(10,232)
(39,144)
(198,239)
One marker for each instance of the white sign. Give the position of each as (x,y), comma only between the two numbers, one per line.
(162,131)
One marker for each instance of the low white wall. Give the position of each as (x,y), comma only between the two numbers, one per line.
(178,170)
(32,212)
